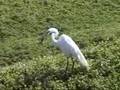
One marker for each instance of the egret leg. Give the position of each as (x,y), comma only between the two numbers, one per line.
(73,63)
(67,64)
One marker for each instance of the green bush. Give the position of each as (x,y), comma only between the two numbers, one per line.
(27,63)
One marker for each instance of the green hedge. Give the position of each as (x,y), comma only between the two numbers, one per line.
(49,72)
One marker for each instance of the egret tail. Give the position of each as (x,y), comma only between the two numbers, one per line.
(83,62)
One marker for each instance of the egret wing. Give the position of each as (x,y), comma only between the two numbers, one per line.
(68,46)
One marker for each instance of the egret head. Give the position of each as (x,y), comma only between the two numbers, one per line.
(53,31)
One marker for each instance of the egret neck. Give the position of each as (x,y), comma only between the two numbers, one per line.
(54,36)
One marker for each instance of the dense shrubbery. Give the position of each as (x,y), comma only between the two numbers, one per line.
(49,72)
(28,64)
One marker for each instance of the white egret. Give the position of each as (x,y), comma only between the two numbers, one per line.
(68,47)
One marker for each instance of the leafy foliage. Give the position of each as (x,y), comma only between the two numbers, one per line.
(28,64)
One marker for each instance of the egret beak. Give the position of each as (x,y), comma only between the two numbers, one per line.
(42,36)
(49,33)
